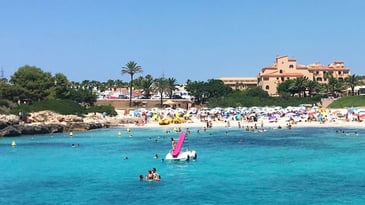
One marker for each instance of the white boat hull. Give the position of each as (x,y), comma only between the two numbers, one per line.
(183,156)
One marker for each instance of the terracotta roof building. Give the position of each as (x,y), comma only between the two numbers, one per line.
(286,68)
(239,83)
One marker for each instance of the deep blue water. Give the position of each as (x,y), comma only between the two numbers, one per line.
(297,166)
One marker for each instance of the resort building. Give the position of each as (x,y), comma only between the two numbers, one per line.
(239,83)
(286,68)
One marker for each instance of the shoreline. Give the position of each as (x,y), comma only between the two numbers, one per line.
(266,124)
(14,127)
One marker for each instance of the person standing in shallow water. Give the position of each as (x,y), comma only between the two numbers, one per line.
(173,143)
(20,115)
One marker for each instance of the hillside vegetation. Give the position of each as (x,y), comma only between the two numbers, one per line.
(64,107)
(348,101)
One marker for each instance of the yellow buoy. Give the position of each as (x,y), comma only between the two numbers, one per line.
(119,133)
(13,143)
(128,129)
(71,133)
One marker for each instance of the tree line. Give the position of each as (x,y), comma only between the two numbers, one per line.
(31,84)
(304,87)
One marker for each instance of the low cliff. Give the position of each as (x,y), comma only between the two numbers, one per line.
(49,122)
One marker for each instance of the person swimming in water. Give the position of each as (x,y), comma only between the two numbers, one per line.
(156,176)
(149,175)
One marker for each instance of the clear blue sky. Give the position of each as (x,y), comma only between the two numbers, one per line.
(190,39)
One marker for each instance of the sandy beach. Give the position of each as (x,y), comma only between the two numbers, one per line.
(284,123)
(50,122)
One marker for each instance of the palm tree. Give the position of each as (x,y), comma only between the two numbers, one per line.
(109,84)
(333,84)
(119,83)
(312,86)
(287,88)
(147,86)
(85,84)
(131,68)
(75,85)
(300,84)
(352,81)
(160,85)
(171,86)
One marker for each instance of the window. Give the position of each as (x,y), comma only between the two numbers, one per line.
(361,91)
(319,79)
(282,78)
(267,87)
(280,71)
(291,66)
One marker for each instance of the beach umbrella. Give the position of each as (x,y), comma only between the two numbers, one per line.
(352,110)
(277,115)
(169,102)
(333,116)
(290,114)
(238,116)
(252,115)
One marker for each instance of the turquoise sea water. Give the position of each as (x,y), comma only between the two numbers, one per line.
(297,166)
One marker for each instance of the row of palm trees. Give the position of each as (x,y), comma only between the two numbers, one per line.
(303,86)
(353,81)
(147,84)
(300,86)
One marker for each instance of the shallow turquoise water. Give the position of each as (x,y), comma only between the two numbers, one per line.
(298,166)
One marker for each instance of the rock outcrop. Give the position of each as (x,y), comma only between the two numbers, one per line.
(48,122)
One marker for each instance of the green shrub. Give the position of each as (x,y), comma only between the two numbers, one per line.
(348,101)
(243,100)
(104,108)
(6,106)
(64,107)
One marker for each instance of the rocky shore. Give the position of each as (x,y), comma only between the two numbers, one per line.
(45,122)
